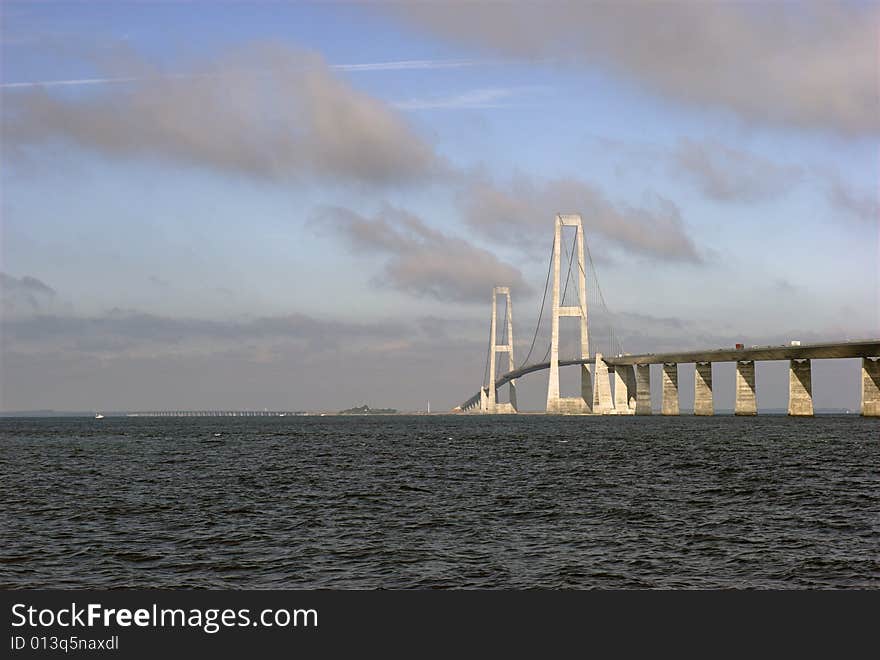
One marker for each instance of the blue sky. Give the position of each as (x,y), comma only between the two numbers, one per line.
(219,204)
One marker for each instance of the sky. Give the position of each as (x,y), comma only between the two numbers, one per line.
(305,206)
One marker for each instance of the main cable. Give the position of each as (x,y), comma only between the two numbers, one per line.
(601,297)
(543,301)
(564,291)
(488,350)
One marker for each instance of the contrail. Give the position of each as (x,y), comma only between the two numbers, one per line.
(61,83)
(402,65)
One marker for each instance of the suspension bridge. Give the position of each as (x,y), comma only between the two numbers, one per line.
(620,383)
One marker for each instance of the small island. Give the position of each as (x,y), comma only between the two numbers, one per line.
(366,410)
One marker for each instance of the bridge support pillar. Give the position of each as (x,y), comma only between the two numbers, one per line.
(555,403)
(630,389)
(800,388)
(871,387)
(484,400)
(669,405)
(602,402)
(643,389)
(746,401)
(624,383)
(703,403)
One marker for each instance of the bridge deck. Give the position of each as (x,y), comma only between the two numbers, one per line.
(847,349)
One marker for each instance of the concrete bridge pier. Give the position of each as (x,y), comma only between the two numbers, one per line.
(703,403)
(643,389)
(631,390)
(624,390)
(871,387)
(669,405)
(746,401)
(587,387)
(484,400)
(800,388)
(602,402)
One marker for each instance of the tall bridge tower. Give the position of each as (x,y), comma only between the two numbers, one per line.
(491,403)
(556,403)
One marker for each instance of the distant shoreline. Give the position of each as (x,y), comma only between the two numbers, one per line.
(402,413)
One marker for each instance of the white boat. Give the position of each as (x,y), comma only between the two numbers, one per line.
(99,416)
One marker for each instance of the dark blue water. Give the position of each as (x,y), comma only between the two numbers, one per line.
(456,502)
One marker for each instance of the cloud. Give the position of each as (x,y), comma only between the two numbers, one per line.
(731,175)
(126,359)
(520,213)
(138,333)
(811,65)
(422,261)
(24,295)
(268,112)
(845,200)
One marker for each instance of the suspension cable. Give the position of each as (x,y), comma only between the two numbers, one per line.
(601,297)
(488,350)
(564,291)
(504,339)
(543,301)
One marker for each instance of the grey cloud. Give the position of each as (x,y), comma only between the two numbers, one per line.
(125,359)
(864,206)
(810,65)
(278,376)
(644,333)
(26,284)
(726,174)
(436,328)
(422,261)
(134,334)
(268,112)
(784,286)
(25,294)
(522,210)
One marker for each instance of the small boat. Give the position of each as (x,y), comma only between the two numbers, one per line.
(99,416)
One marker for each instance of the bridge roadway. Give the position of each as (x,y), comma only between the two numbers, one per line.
(848,349)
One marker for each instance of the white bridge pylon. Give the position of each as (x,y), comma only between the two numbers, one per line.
(555,402)
(489,396)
